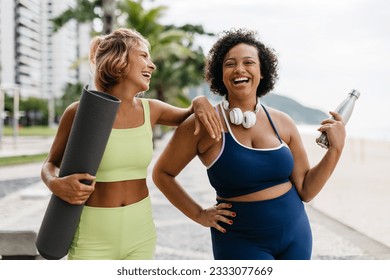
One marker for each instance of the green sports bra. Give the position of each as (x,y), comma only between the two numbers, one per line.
(128,152)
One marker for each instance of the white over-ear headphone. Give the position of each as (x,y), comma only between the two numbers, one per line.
(237,117)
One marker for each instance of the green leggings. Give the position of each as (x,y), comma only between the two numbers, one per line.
(119,233)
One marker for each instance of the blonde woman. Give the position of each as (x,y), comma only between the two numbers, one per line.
(117,222)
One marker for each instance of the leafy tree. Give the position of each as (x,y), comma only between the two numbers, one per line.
(72,93)
(33,104)
(179,63)
(88,11)
(8,103)
(35,111)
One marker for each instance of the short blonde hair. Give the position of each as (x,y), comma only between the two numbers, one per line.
(109,56)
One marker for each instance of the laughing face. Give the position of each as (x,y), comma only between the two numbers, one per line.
(141,68)
(241,70)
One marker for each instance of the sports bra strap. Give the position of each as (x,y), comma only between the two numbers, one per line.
(226,120)
(272,124)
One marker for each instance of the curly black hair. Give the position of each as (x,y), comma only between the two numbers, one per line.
(231,38)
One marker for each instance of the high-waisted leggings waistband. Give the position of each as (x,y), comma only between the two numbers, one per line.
(270,212)
(277,228)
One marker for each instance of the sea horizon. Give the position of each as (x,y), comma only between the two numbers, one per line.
(373,132)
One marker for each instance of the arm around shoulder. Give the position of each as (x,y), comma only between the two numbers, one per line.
(165,114)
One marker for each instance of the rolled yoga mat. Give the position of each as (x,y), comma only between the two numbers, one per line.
(86,144)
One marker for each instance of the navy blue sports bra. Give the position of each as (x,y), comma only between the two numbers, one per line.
(240,170)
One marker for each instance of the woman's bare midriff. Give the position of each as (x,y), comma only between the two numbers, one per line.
(266,194)
(117,194)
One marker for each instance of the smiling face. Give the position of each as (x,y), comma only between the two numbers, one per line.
(140,68)
(121,59)
(241,70)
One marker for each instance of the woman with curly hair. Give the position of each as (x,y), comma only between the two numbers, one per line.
(260,169)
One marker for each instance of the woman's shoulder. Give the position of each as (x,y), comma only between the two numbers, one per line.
(153,103)
(144,101)
(286,126)
(70,112)
(283,122)
(72,107)
(276,114)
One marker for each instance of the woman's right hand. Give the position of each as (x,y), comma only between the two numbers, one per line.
(211,217)
(71,189)
(206,114)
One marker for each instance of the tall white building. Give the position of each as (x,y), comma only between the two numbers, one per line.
(7,42)
(32,56)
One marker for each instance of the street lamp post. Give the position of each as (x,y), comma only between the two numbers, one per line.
(2,116)
(16,96)
(15,123)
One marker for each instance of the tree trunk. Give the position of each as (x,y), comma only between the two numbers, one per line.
(160,93)
(108,7)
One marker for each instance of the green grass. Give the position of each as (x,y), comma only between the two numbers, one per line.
(6,161)
(31,131)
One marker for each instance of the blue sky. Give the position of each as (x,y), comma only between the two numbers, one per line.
(325,47)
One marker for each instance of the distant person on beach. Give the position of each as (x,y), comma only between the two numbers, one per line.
(116,221)
(260,169)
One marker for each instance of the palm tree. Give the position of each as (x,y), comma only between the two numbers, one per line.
(87,11)
(108,7)
(178,63)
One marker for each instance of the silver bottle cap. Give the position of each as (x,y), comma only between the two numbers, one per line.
(355,93)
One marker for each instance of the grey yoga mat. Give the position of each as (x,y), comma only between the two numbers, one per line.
(86,144)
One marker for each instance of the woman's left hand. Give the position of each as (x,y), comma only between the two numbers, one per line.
(335,131)
(209,117)
(213,216)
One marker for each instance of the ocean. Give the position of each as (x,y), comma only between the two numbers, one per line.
(369,132)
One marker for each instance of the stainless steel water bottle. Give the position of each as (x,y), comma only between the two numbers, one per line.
(345,110)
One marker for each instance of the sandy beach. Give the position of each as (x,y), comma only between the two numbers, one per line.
(358,193)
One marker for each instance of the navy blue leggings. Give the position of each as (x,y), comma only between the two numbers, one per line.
(265,230)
